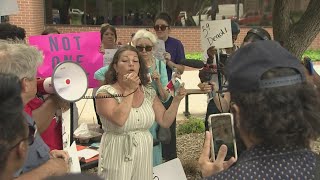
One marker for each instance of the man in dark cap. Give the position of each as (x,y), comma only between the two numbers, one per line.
(276,112)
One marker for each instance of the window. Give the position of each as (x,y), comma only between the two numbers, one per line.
(143,12)
(97,12)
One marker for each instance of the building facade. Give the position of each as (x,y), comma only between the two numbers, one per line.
(33,17)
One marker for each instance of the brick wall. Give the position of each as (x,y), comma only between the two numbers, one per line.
(30,16)
(190,37)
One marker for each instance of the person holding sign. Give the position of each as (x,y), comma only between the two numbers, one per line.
(127,115)
(175,53)
(217,102)
(108,47)
(276,111)
(108,36)
(144,41)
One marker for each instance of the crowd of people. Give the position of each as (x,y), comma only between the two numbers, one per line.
(273,98)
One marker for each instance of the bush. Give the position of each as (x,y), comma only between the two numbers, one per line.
(192,125)
(197,56)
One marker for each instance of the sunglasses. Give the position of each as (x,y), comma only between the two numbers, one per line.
(160,27)
(31,136)
(147,48)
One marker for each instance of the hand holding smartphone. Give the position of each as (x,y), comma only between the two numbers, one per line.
(221,127)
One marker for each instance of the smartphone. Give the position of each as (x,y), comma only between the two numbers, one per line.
(221,127)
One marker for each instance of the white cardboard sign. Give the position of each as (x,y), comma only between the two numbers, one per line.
(8,7)
(108,56)
(171,170)
(216,33)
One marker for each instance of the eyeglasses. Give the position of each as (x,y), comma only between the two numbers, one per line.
(160,27)
(31,136)
(147,48)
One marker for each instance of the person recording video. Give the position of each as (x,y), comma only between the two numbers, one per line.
(276,111)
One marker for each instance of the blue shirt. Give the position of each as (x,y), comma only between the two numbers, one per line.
(176,50)
(263,162)
(38,152)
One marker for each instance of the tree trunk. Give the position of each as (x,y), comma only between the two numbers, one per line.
(214,9)
(296,37)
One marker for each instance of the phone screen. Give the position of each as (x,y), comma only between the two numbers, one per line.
(222,130)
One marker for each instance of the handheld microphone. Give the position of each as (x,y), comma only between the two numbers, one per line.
(192,63)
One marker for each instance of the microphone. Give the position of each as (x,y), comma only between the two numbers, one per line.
(192,63)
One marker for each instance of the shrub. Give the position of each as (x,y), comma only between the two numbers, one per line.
(192,125)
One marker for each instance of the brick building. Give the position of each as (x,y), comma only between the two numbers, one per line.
(32,17)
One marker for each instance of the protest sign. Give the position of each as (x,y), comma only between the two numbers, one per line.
(216,33)
(171,170)
(159,50)
(8,7)
(108,56)
(82,48)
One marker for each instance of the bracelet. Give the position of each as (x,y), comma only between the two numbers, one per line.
(130,93)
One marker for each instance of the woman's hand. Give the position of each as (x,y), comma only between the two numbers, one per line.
(131,81)
(155,76)
(211,52)
(208,87)
(209,168)
(167,56)
(181,92)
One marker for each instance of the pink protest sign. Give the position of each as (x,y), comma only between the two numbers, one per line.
(82,48)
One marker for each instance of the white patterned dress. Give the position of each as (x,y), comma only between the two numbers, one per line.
(126,152)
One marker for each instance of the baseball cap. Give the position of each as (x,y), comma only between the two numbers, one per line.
(247,65)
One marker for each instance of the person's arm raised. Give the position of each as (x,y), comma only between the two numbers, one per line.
(116,112)
(166,117)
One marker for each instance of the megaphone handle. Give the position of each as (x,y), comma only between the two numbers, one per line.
(71,122)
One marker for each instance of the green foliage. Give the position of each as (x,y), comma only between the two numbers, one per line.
(313,54)
(195,55)
(192,125)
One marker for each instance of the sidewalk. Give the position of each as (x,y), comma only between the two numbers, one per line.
(197,102)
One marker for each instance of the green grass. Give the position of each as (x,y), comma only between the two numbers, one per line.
(313,54)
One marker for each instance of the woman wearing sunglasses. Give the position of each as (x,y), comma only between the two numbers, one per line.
(175,54)
(144,41)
